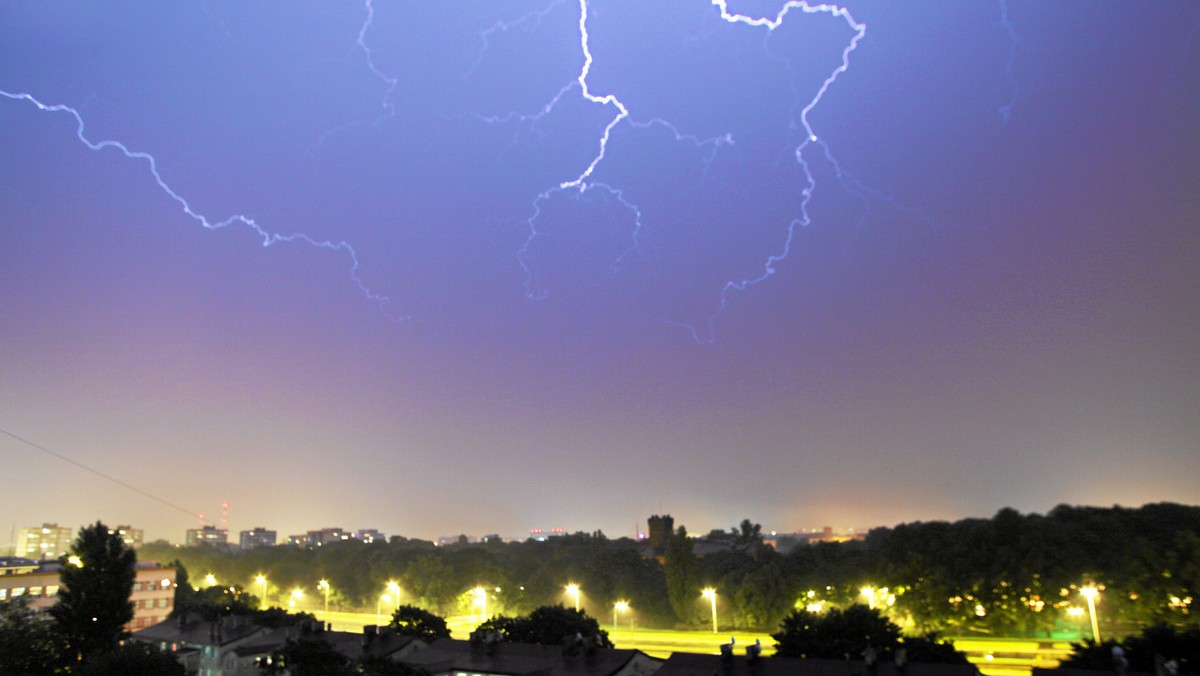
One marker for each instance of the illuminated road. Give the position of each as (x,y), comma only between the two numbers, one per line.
(993,656)
(1012,656)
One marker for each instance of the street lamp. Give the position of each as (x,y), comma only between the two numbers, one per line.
(261,581)
(210,580)
(378,606)
(395,590)
(324,585)
(481,600)
(869,592)
(618,607)
(711,594)
(1090,593)
(573,590)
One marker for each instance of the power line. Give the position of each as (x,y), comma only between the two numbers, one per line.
(97,472)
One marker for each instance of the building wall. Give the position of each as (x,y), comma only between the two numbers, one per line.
(258,537)
(153,594)
(40,588)
(45,542)
(208,535)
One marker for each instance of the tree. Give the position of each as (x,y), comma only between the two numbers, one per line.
(681,570)
(747,534)
(1141,650)
(549,625)
(840,634)
(419,623)
(930,648)
(93,597)
(763,597)
(836,634)
(309,656)
(133,659)
(185,597)
(27,645)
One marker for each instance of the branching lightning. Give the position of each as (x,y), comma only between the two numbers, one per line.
(582,181)
(390,82)
(268,237)
(504,26)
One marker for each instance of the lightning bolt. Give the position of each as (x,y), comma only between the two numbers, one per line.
(390,82)
(268,237)
(582,181)
(1014,43)
(504,26)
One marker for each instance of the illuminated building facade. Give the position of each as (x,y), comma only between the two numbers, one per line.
(133,537)
(256,537)
(43,543)
(207,535)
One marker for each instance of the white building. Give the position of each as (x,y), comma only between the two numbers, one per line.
(46,542)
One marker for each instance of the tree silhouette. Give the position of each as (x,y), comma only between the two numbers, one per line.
(419,623)
(549,625)
(93,597)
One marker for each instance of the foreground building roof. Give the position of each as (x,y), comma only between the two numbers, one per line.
(451,656)
(689,664)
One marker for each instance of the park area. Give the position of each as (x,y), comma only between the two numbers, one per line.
(993,656)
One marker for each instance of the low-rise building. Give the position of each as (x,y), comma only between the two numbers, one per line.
(451,657)
(153,595)
(204,647)
(728,664)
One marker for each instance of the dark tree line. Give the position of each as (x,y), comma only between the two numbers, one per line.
(1013,574)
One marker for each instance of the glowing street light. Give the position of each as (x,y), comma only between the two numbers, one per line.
(394,589)
(378,607)
(480,595)
(869,592)
(324,585)
(1090,593)
(261,581)
(210,580)
(618,607)
(573,590)
(711,594)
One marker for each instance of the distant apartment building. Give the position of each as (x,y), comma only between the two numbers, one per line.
(131,536)
(255,538)
(153,594)
(207,535)
(319,538)
(369,535)
(42,543)
(542,535)
(660,528)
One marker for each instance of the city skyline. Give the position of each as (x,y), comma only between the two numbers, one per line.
(437,269)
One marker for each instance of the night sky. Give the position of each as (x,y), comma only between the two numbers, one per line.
(523,275)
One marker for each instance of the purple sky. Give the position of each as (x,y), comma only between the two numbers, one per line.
(990,297)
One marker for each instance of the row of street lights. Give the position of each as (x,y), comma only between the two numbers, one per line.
(324,586)
(1089,592)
